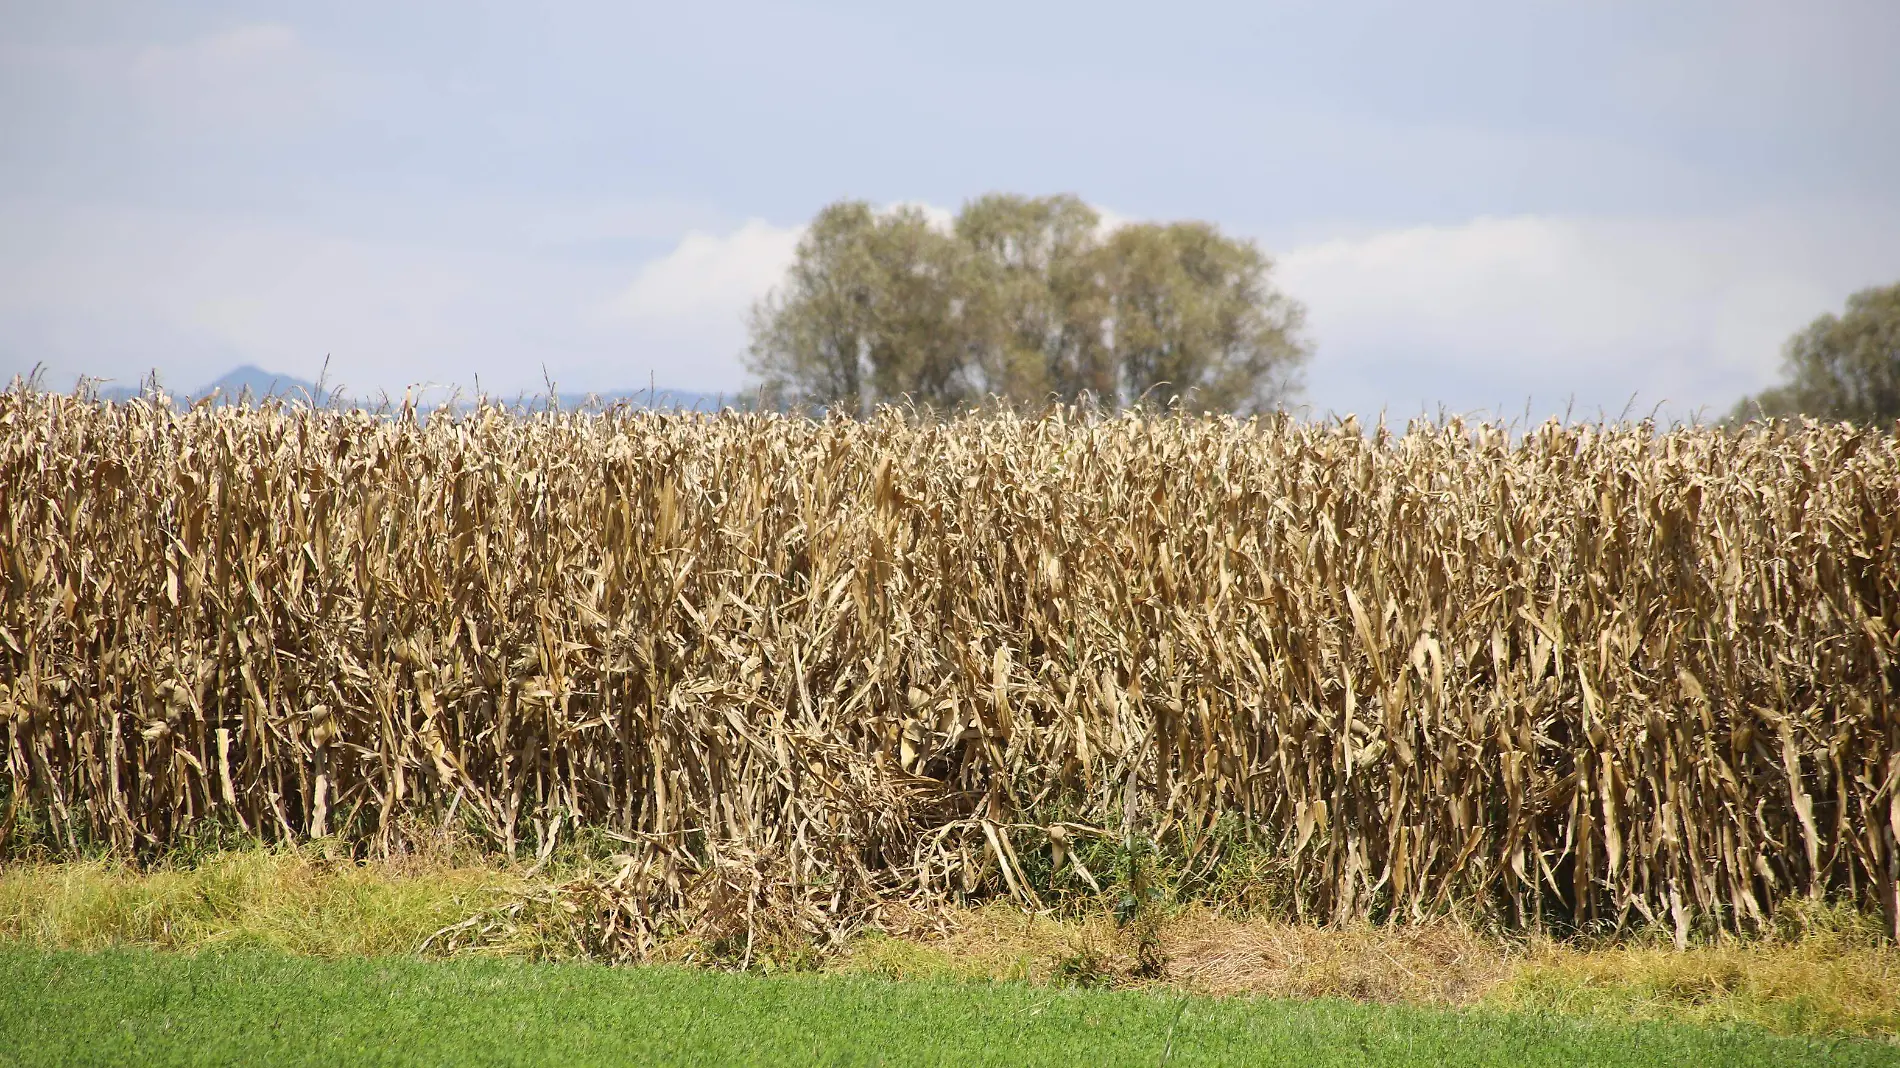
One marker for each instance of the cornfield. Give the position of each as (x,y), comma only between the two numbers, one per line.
(1607,675)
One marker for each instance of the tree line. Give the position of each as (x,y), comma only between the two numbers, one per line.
(1027,300)
(1844,367)
(1036,300)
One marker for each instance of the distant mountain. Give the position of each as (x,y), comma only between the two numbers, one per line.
(259,383)
(249,379)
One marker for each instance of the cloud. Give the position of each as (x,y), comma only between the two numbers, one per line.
(709,280)
(696,297)
(1495,313)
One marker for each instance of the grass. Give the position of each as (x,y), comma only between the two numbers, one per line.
(243,1007)
(1804,988)
(1827,973)
(292,901)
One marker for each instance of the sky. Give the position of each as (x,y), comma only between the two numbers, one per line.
(1517,207)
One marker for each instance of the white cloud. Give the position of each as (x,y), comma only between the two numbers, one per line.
(1497,312)
(696,297)
(709,280)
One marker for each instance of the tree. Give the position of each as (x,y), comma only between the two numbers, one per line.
(1194,320)
(1041,277)
(1026,299)
(1841,368)
(873,310)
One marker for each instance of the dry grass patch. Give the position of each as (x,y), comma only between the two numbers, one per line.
(1203,952)
(1831,981)
(1435,963)
(295,901)
(993,942)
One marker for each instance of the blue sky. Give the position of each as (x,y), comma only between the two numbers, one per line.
(1487,206)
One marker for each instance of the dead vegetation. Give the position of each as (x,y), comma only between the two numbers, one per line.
(819,671)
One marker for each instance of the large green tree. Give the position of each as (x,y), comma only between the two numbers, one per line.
(876,308)
(1039,266)
(1028,299)
(1841,367)
(1194,319)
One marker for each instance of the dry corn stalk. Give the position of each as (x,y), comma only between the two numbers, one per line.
(1599,674)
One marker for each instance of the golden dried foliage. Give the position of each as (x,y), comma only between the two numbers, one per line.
(1596,676)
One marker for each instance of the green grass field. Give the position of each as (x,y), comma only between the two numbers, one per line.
(141,1007)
